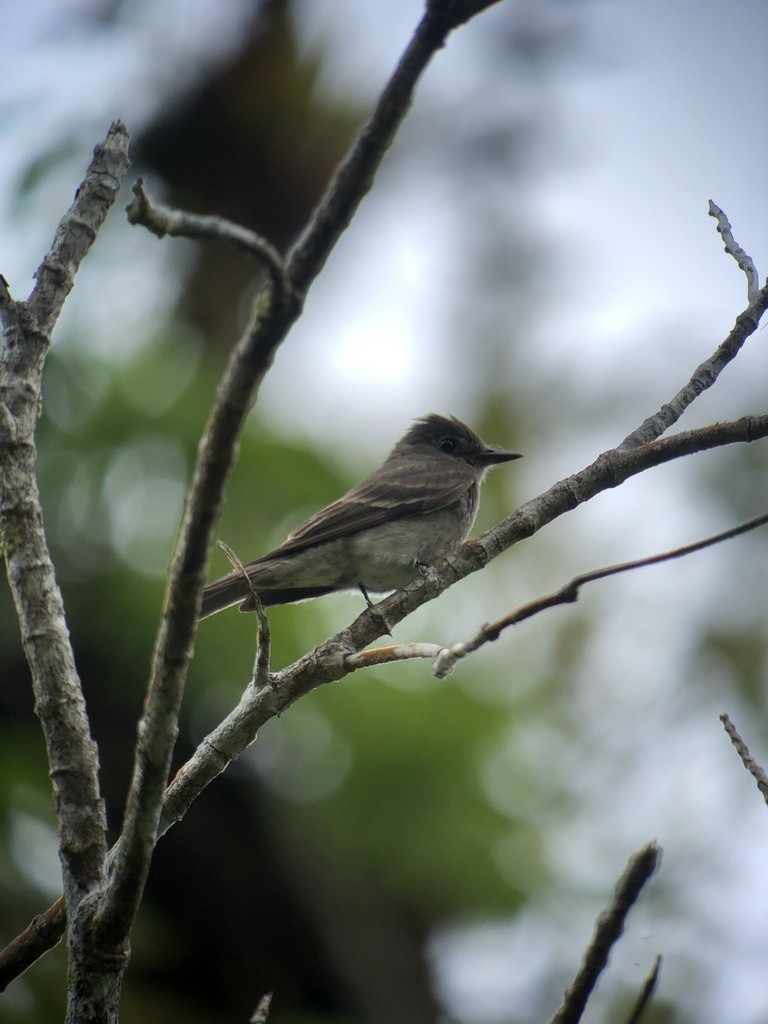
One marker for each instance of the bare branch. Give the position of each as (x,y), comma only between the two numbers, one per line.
(354,177)
(704,376)
(162,220)
(218,749)
(77,229)
(732,247)
(646,992)
(569,593)
(59,703)
(41,934)
(754,769)
(608,929)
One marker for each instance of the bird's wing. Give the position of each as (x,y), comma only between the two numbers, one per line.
(390,493)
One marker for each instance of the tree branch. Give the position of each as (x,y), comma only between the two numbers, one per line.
(704,376)
(732,247)
(55,277)
(754,769)
(42,933)
(162,220)
(354,178)
(569,593)
(59,702)
(608,929)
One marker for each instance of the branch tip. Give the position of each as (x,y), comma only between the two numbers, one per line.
(731,246)
(646,992)
(754,769)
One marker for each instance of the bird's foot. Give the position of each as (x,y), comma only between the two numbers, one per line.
(372,606)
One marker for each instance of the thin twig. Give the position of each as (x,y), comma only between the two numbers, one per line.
(646,992)
(569,593)
(745,262)
(608,929)
(754,769)
(163,220)
(261,674)
(704,376)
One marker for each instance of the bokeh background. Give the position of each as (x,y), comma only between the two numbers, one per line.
(536,258)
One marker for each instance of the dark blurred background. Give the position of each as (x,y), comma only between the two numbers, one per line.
(394,848)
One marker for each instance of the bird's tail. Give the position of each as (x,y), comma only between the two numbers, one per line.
(223,593)
(232,589)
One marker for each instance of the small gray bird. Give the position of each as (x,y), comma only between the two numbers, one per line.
(416,507)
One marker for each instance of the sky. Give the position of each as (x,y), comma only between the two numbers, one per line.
(667,112)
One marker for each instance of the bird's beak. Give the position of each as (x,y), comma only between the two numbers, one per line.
(494,456)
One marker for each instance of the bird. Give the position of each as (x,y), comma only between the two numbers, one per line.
(419,505)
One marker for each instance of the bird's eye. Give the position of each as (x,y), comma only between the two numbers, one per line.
(448,445)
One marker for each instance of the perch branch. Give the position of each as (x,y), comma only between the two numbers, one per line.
(608,929)
(569,593)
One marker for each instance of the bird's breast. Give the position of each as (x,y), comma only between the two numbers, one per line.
(386,556)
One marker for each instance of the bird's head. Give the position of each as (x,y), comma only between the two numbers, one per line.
(448,437)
